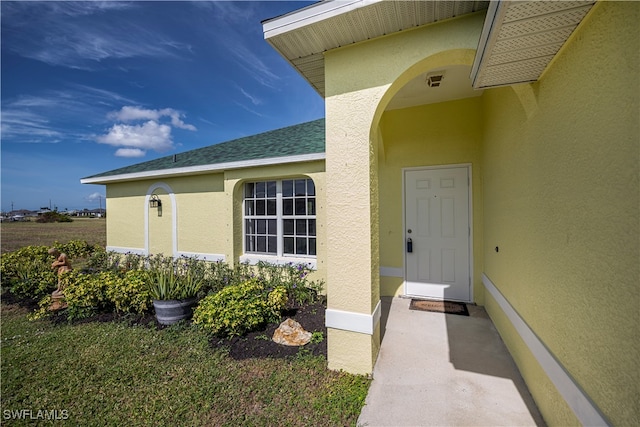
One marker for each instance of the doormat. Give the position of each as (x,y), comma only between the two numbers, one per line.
(447,307)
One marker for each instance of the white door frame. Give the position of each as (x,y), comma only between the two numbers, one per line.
(404,225)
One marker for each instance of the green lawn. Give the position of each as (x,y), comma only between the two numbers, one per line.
(117,374)
(15,235)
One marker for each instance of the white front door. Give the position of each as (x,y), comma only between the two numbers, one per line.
(437,227)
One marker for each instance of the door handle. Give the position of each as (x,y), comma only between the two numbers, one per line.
(409,245)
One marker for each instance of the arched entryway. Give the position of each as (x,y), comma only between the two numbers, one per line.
(364,193)
(428,132)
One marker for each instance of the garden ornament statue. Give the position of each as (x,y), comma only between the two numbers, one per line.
(61,265)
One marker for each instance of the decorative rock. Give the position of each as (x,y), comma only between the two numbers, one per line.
(57,303)
(291,333)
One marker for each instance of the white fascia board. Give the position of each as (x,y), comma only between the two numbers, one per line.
(194,170)
(492,23)
(310,15)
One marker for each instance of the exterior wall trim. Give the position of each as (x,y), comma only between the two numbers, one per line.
(193,170)
(140,251)
(174,217)
(309,15)
(579,402)
(392,272)
(123,250)
(203,257)
(254,259)
(353,322)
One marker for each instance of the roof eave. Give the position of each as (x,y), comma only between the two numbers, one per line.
(488,72)
(310,15)
(282,54)
(202,169)
(540,28)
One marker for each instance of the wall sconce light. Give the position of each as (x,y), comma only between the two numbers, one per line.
(154,201)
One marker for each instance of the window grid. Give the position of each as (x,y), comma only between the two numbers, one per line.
(299,217)
(261,218)
(280,217)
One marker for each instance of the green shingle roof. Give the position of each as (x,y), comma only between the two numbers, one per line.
(305,138)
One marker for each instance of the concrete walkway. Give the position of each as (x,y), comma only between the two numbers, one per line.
(439,369)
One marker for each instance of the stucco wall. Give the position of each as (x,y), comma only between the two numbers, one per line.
(360,80)
(561,200)
(125,214)
(208,212)
(201,206)
(437,134)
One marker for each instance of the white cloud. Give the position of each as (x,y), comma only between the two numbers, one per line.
(56,115)
(254,100)
(94,196)
(249,109)
(253,65)
(27,127)
(137,139)
(150,135)
(177,122)
(81,35)
(130,152)
(130,114)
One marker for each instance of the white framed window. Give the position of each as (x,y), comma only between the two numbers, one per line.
(279,219)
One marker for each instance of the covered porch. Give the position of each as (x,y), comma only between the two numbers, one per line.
(546,134)
(444,370)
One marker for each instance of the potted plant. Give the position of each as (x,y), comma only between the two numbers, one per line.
(174,285)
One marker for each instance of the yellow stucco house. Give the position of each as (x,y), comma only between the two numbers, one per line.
(484,152)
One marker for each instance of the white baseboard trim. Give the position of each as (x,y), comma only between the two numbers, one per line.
(392,272)
(254,259)
(123,250)
(579,402)
(353,322)
(204,257)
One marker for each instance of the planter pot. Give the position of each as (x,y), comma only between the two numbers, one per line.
(169,312)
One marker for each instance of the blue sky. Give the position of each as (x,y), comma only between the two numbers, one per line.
(93,86)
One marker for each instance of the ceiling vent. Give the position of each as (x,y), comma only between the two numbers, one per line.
(435,80)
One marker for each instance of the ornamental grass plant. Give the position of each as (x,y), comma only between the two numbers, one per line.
(175,278)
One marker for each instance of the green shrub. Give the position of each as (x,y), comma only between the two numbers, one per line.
(27,271)
(220,274)
(12,262)
(129,294)
(53,217)
(293,277)
(76,248)
(33,279)
(86,294)
(241,308)
(102,260)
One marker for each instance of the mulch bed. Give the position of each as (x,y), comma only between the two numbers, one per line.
(28,303)
(258,344)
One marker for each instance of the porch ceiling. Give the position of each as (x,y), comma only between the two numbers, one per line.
(518,40)
(302,36)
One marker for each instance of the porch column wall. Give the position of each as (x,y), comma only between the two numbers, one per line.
(352,240)
(360,80)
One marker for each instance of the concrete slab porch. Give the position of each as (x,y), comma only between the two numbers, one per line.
(444,370)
